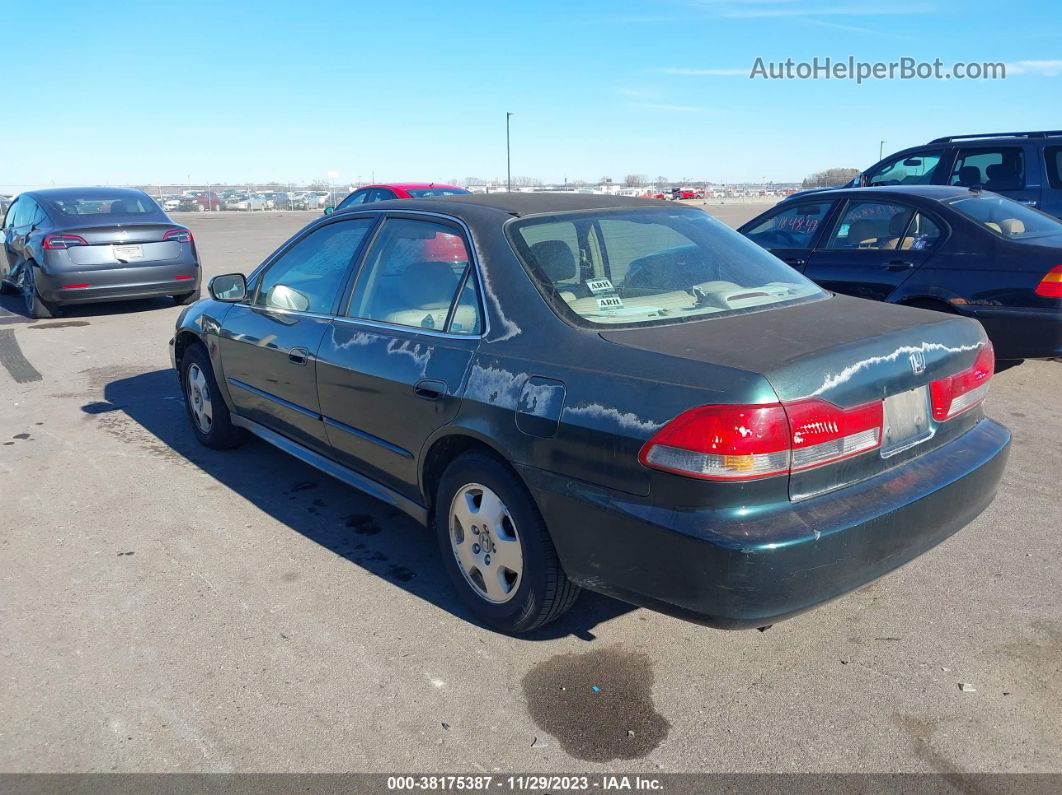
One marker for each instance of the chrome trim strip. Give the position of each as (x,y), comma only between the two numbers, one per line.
(357,321)
(386,445)
(278,400)
(355,479)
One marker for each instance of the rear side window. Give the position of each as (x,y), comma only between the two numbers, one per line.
(1053,157)
(648,266)
(995,169)
(418,274)
(871,225)
(1005,217)
(793,227)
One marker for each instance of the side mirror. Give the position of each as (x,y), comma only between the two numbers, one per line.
(329,210)
(230,288)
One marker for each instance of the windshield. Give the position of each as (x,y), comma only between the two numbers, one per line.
(1006,217)
(88,204)
(609,267)
(424,193)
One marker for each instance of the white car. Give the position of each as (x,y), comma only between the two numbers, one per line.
(245,203)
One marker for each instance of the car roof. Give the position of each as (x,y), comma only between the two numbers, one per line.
(412,185)
(521,204)
(934,192)
(53,194)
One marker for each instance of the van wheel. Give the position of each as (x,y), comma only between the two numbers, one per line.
(496,548)
(210,416)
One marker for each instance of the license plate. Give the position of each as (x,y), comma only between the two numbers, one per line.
(906,421)
(128,252)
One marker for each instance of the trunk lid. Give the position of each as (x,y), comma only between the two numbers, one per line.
(846,351)
(126,245)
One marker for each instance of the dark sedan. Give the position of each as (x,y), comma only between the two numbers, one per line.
(80,245)
(615,394)
(958,250)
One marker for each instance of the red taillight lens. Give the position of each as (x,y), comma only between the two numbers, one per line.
(823,433)
(74,286)
(178,235)
(957,393)
(62,242)
(1051,285)
(722,443)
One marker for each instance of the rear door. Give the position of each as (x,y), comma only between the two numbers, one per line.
(393,365)
(873,247)
(791,231)
(269,343)
(1051,201)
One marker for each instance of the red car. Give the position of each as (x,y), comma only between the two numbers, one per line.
(398,190)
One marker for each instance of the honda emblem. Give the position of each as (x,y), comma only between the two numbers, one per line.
(918,362)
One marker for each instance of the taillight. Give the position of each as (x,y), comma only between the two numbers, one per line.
(957,393)
(823,433)
(1051,285)
(178,235)
(62,242)
(722,443)
(749,442)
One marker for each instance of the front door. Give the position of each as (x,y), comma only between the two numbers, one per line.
(790,231)
(269,343)
(392,366)
(874,247)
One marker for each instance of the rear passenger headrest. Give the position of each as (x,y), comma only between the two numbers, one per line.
(1011,227)
(426,284)
(555,258)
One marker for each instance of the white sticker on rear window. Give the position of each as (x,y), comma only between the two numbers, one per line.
(609,302)
(599,286)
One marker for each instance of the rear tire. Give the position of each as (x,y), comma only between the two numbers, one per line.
(482,510)
(36,307)
(186,298)
(210,418)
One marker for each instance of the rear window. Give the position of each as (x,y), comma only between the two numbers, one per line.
(106,205)
(424,193)
(632,267)
(1005,217)
(1053,156)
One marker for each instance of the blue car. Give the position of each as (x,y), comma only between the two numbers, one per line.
(953,249)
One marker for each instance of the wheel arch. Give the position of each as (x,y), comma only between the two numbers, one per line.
(444,448)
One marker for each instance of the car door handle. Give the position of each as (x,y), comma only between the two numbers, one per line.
(899,265)
(429,389)
(794,261)
(298,356)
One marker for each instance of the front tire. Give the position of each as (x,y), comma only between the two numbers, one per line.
(496,548)
(207,411)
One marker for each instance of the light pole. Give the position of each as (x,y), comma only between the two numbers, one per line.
(508,156)
(332,180)
(881,149)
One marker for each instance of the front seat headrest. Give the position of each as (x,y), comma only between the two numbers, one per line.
(969,176)
(556,260)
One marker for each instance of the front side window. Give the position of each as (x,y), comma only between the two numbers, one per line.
(412,275)
(649,266)
(358,197)
(1005,217)
(871,225)
(911,169)
(308,276)
(424,193)
(379,195)
(16,213)
(793,227)
(994,169)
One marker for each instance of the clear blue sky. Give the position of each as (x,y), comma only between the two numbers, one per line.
(231,91)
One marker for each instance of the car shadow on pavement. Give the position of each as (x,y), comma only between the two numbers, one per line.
(16,305)
(367,532)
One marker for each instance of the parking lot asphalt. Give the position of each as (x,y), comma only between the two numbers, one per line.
(164,607)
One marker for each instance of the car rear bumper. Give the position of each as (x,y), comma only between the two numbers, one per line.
(113,284)
(734,571)
(1021,333)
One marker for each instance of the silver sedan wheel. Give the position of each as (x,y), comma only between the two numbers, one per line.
(199,398)
(486,544)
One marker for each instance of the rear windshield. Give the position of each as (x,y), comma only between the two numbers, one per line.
(424,193)
(88,204)
(1006,217)
(631,267)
